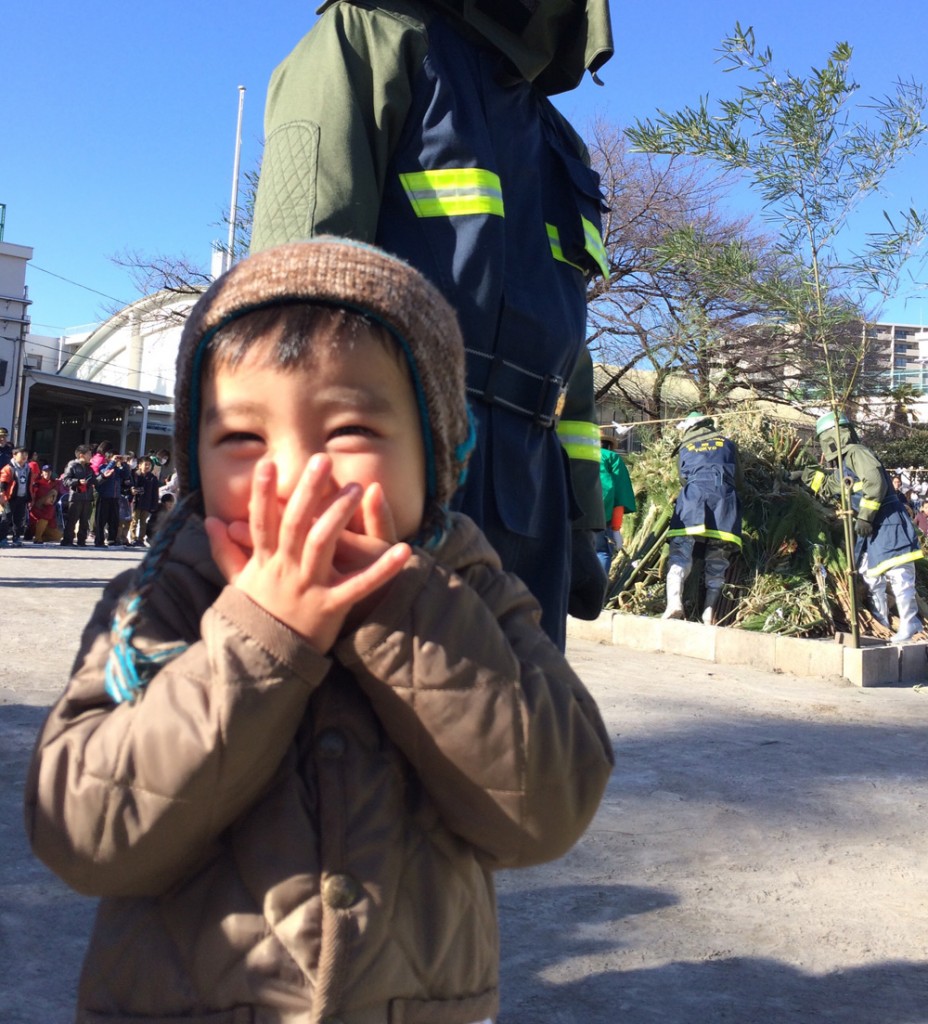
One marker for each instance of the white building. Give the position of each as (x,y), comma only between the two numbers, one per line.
(53,398)
(14,325)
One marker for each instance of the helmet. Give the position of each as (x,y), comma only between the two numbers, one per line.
(694,419)
(829,421)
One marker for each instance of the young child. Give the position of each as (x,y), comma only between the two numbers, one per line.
(302,734)
(46,491)
(144,500)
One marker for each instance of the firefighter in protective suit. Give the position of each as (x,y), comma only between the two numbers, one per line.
(426,128)
(707,508)
(887,546)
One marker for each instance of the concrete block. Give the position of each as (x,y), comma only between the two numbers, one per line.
(871,666)
(913,663)
(598,630)
(636,632)
(745,647)
(691,639)
(798,656)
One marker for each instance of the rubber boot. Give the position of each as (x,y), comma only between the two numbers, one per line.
(716,566)
(879,605)
(676,576)
(712,600)
(902,580)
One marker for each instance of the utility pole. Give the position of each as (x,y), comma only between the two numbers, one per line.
(233,205)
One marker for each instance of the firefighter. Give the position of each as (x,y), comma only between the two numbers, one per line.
(427,128)
(707,508)
(887,545)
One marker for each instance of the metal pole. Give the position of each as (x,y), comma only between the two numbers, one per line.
(233,205)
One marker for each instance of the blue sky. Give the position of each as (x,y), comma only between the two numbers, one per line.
(119,120)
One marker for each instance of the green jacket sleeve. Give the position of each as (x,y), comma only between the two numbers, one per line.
(578,431)
(870,480)
(335,109)
(820,480)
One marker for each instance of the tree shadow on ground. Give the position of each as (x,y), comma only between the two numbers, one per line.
(547,928)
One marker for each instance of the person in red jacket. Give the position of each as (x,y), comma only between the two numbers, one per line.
(15,495)
(45,493)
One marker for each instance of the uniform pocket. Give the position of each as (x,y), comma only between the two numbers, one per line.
(573,215)
(480,1009)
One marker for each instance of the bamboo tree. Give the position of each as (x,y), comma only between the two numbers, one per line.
(812,157)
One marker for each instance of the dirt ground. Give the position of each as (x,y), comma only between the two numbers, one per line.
(761,854)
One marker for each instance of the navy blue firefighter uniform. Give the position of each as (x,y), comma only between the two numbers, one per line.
(707,508)
(391,124)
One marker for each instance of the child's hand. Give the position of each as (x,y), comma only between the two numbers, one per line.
(303,567)
(372,519)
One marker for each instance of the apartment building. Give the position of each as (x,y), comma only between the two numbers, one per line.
(897,354)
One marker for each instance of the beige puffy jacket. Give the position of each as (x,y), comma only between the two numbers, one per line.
(283,837)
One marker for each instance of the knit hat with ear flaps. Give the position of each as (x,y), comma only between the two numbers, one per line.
(360,278)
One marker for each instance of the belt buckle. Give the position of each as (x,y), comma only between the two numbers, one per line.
(542,416)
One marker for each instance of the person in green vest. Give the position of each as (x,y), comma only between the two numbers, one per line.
(618,498)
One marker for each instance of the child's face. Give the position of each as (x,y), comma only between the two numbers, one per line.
(355,404)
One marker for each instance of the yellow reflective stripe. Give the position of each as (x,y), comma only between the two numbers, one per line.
(858,486)
(891,563)
(454,192)
(869,503)
(817,480)
(701,531)
(580,439)
(554,240)
(581,428)
(582,451)
(593,243)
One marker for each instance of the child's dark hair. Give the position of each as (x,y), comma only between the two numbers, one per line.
(298,330)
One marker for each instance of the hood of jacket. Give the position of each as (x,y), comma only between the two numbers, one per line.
(549,42)
(828,440)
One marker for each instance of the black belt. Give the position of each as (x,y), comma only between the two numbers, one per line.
(496,381)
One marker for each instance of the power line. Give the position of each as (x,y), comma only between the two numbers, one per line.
(77,284)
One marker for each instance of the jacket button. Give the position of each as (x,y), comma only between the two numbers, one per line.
(330,743)
(340,891)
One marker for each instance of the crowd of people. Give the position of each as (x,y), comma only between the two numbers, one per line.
(101,498)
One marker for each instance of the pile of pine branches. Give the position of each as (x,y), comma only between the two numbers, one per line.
(791,576)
